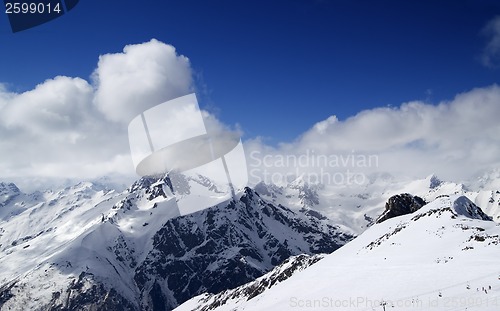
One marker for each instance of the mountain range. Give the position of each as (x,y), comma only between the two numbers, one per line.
(87,247)
(90,247)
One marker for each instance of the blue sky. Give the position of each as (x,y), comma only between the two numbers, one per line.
(301,60)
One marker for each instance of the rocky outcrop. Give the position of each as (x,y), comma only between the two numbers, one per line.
(400,204)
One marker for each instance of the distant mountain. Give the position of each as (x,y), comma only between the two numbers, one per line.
(13,201)
(90,248)
(356,207)
(443,256)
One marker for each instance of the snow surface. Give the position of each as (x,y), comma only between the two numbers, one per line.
(442,257)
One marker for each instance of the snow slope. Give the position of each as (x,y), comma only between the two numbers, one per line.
(444,256)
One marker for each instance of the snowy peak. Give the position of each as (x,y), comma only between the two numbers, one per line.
(434,181)
(432,187)
(454,206)
(8,188)
(13,201)
(8,191)
(465,207)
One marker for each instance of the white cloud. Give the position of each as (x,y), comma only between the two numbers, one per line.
(454,139)
(67,128)
(55,106)
(491,53)
(141,77)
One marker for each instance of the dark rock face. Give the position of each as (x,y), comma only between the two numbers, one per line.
(221,248)
(7,192)
(464,206)
(251,290)
(5,293)
(400,204)
(86,294)
(434,182)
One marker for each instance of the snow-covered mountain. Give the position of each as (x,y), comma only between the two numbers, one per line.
(358,206)
(443,256)
(89,248)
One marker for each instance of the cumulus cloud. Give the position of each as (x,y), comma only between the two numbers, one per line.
(455,139)
(57,106)
(141,77)
(491,53)
(69,128)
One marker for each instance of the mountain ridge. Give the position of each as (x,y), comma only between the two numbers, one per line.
(132,249)
(411,261)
